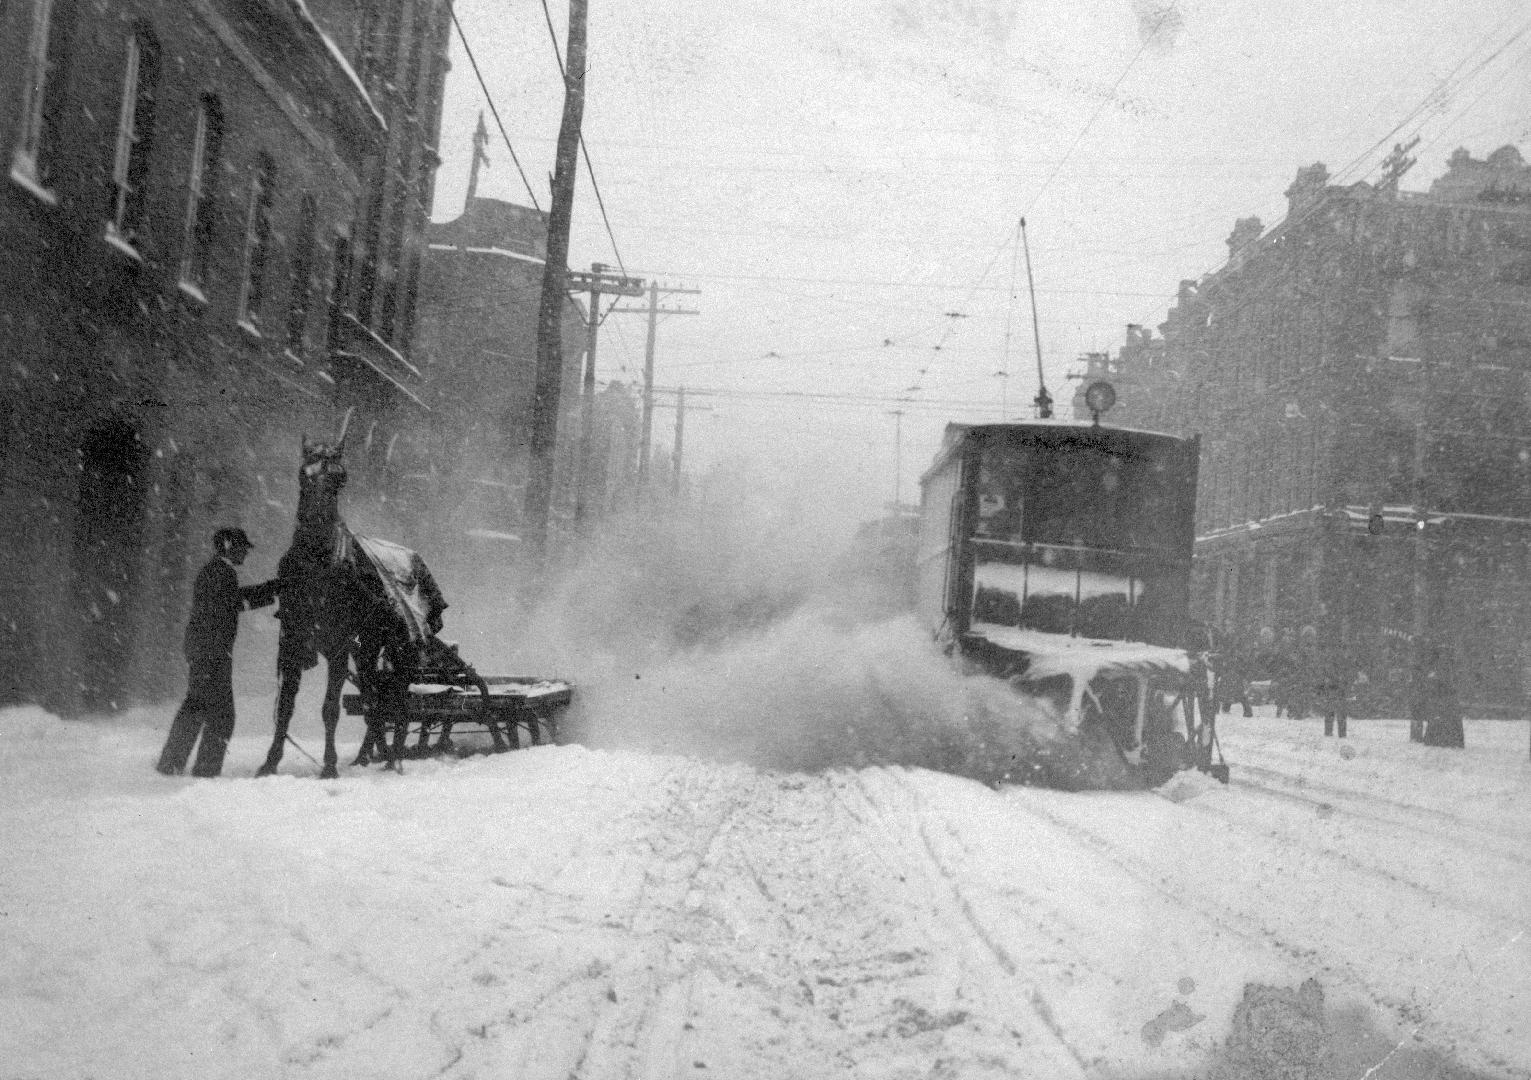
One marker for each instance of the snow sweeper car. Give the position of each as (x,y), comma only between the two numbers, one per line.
(1056,556)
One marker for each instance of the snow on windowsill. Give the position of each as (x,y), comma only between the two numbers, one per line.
(24,176)
(120,244)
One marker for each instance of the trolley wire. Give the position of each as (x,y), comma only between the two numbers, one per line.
(583,149)
(468,49)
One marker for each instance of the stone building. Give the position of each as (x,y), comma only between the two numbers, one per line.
(191,283)
(1361,378)
(479,297)
(1142,377)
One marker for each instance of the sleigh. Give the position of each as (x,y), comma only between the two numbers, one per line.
(445,697)
(426,689)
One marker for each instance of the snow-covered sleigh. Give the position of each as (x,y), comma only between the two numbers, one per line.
(426,688)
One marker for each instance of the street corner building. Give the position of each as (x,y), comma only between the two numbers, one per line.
(213,219)
(1360,374)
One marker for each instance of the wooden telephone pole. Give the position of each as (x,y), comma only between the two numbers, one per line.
(597,282)
(539,486)
(678,451)
(653,311)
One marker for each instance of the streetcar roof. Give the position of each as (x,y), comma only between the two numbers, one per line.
(956,433)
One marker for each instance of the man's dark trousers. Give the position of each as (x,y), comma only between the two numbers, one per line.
(207,711)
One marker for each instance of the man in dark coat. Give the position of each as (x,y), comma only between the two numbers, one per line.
(216,601)
(1436,705)
(1336,676)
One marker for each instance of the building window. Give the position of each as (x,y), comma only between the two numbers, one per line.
(201,203)
(407,307)
(128,203)
(302,276)
(257,244)
(34,160)
(389,268)
(340,287)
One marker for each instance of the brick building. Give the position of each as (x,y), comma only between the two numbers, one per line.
(479,296)
(192,281)
(1361,378)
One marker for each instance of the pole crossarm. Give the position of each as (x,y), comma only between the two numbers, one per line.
(653,311)
(606,284)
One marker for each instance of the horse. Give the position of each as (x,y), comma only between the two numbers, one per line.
(333,604)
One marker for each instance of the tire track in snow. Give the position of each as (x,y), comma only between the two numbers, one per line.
(946,895)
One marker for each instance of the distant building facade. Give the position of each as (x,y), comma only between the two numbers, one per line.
(190,284)
(480,291)
(1361,378)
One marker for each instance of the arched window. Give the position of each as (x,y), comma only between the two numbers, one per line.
(252,292)
(302,276)
(127,208)
(201,192)
(34,160)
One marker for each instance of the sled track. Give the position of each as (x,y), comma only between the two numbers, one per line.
(1434,895)
(1222,917)
(944,891)
(1394,815)
(656,1028)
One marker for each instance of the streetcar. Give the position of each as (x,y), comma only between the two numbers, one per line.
(1056,555)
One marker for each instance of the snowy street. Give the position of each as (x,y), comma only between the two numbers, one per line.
(564,911)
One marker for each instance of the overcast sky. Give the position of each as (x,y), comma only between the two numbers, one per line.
(842,182)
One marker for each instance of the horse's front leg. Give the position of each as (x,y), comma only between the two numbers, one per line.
(331,712)
(286,697)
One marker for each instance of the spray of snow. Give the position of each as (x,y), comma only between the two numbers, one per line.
(740,636)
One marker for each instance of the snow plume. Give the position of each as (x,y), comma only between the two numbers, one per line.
(731,635)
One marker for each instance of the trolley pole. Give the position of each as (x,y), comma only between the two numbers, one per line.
(653,311)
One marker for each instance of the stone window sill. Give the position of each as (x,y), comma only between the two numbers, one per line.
(116,242)
(24,176)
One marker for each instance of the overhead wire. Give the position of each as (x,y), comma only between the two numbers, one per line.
(1437,98)
(583,149)
(494,111)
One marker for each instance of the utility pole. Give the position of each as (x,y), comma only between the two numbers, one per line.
(555,271)
(653,311)
(480,141)
(680,408)
(680,439)
(898,455)
(597,282)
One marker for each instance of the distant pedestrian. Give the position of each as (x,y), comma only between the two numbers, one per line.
(1233,671)
(1436,704)
(1201,647)
(1283,672)
(216,601)
(1332,688)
